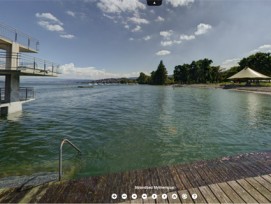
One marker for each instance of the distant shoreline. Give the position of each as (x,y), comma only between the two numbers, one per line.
(251,89)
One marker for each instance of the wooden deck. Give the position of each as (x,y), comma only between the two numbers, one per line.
(249,190)
(237,179)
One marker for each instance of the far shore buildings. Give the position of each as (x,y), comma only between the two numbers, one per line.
(14,62)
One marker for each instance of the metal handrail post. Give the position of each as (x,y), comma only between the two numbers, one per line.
(60,154)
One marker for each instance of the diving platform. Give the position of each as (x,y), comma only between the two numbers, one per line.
(9,35)
(14,62)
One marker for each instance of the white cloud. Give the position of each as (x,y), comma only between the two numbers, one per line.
(50,27)
(230,63)
(159,19)
(170,42)
(73,72)
(48,17)
(70,13)
(187,37)
(138,20)
(167,43)
(131,39)
(127,26)
(176,3)
(163,52)
(262,48)
(166,34)
(67,36)
(137,28)
(119,6)
(110,17)
(146,38)
(202,29)
(49,22)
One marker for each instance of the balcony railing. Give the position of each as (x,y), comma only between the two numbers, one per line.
(25,94)
(14,35)
(27,63)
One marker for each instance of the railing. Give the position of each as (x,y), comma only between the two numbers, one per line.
(14,35)
(2,95)
(24,62)
(60,154)
(25,93)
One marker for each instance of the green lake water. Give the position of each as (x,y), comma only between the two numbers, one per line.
(125,127)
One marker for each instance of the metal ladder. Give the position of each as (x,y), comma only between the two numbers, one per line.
(60,154)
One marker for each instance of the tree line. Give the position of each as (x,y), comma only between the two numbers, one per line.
(202,71)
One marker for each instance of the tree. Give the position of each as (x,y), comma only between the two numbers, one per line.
(143,78)
(181,73)
(214,74)
(159,77)
(260,62)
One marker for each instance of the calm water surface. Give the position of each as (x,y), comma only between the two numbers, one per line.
(130,127)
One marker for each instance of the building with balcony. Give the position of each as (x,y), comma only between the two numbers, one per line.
(15,61)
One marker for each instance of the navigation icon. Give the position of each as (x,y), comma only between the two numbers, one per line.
(114,196)
(154,2)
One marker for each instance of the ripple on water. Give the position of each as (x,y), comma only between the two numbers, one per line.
(129,127)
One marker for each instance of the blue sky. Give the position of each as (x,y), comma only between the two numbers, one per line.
(119,38)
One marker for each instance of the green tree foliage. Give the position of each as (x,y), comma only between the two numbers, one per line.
(199,71)
(180,73)
(260,62)
(143,78)
(159,77)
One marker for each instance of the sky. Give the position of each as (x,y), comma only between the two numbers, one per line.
(94,39)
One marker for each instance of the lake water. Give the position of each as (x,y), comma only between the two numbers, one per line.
(125,127)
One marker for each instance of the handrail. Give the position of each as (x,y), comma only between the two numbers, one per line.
(24,61)
(60,154)
(14,35)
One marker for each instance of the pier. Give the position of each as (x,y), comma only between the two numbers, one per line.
(243,178)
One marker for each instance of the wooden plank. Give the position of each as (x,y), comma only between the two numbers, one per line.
(260,188)
(200,198)
(155,181)
(168,176)
(190,177)
(147,181)
(183,177)
(186,199)
(230,193)
(139,182)
(221,196)
(263,182)
(198,178)
(163,180)
(139,200)
(258,197)
(208,195)
(176,179)
(173,197)
(267,177)
(240,171)
(206,177)
(241,192)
